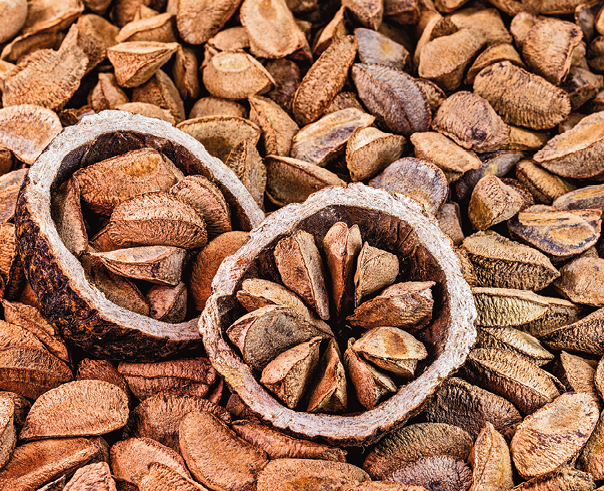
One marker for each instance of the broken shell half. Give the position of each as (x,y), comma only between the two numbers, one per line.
(77,309)
(397,224)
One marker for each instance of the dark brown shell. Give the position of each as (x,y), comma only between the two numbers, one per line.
(80,312)
(378,214)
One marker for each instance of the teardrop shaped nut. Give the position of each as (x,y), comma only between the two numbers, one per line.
(215,106)
(162,476)
(330,393)
(368,13)
(67,215)
(452,473)
(584,335)
(369,151)
(491,461)
(376,269)
(375,47)
(507,307)
(245,161)
(493,202)
(198,21)
(584,197)
(546,187)
(147,110)
(157,28)
(580,281)
(168,303)
(508,338)
(92,476)
(493,54)
(161,91)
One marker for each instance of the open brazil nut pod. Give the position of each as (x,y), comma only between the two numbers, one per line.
(341,315)
(137,181)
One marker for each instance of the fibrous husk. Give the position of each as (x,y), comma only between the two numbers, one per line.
(92,476)
(289,474)
(416,178)
(207,199)
(80,408)
(214,106)
(508,338)
(133,173)
(584,335)
(301,268)
(471,408)
(34,464)
(208,260)
(554,434)
(491,462)
(447,155)
(471,122)
(502,263)
(158,417)
(403,305)
(368,12)
(445,59)
(320,142)
(236,75)
(277,445)
(493,54)
(414,442)
(560,234)
(161,91)
(286,77)
(330,393)
(548,46)
(394,97)
(221,134)
(27,129)
(278,129)
(106,93)
(576,152)
(157,219)
(544,186)
(198,21)
(216,456)
(341,246)
(581,281)
(493,202)
(522,98)
(375,47)
(290,180)
(135,62)
(324,80)
(130,459)
(193,376)
(512,376)
(369,151)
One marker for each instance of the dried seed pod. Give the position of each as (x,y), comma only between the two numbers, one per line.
(233,75)
(376,269)
(375,47)
(491,462)
(403,305)
(471,408)
(416,178)
(168,303)
(80,408)
(46,78)
(554,434)
(206,198)
(370,384)
(245,161)
(508,338)
(27,129)
(445,59)
(192,376)
(34,464)
(392,350)
(130,459)
(584,197)
(395,98)
(320,142)
(413,442)
(512,376)
(135,62)
(502,263)
(278,445)
(591,459)
(290,473)
(92,476)
(493,202)
(301,268)
(451,158)
(214,106)
(161,91)
(578,375)
(548,46)
(544,186)
(216,456)
(199,21)
(493,54)
(584,335)
(278,129)
(221,134)
(156,219)
(369,151)
(330,393)
(287,376)
(499,307)
(560,234)
(290,180)
(471,122)
(521,98)
(104,370)
(581,281)
(324,80)
(574,153)
(158,417)
(267,332)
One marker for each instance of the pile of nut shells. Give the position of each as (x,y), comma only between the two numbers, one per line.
(491,115)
